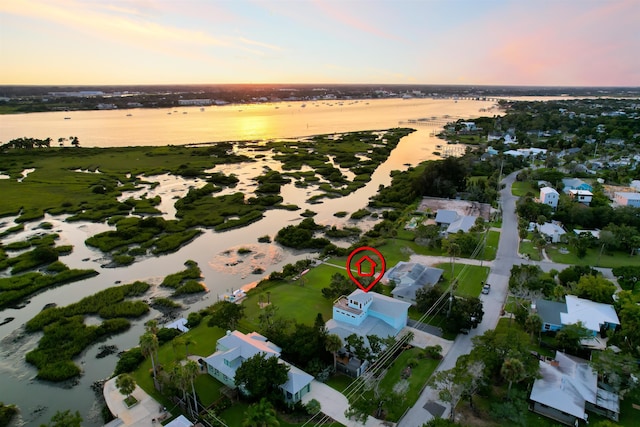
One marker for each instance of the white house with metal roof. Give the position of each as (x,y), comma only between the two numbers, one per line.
(581,196)
(235,348)
(552,231)
(593,315)
(568,387)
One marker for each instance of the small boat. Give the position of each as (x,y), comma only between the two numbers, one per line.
(67,118)
(439,146)
(129,115)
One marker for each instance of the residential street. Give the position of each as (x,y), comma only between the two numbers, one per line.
(506,257)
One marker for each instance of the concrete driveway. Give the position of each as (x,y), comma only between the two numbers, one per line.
(333,404)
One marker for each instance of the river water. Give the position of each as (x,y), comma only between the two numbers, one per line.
(214,252)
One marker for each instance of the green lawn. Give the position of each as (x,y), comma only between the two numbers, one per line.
(593,257)
(527,248)
(339,382)
(521,188)
(419,376)
(491,246)
(299,300)
(470,278)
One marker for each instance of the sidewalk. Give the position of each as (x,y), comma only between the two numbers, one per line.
(146,413)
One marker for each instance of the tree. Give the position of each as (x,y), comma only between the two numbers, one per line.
(427,297)
(191,372)
(225,315)
(449,388)
(355,344)
(333,343)
(339,285)
(569,337)
(513,409)
(149,346)
(152,327)
(179,379)
(260,375)
(533,324)
(64,419)
(126,384)
(596,288)
(260,414)
(313,407)
(615,369)
(469,373)
(513,371)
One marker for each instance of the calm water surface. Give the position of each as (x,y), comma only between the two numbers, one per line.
(214,252)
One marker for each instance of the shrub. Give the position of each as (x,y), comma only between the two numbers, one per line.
(193,319)
(129,361)
(167,334)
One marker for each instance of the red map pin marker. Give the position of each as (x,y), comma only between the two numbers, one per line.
(366,266)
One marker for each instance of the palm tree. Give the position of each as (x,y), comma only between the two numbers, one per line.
(512,370)
(191,372)
(332,344)
(533,324)
(187,340)
(261,414)
(149,346)
(126,384)
(179,379)
(151,327)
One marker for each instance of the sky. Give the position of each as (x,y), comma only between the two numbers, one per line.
(461,42)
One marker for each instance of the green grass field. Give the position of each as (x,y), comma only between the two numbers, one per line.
(470,278)
(593,257)
(527,248)
(521,188)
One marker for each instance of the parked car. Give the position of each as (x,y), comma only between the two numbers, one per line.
(486,289)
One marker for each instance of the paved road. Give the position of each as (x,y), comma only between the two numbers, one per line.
(506,257)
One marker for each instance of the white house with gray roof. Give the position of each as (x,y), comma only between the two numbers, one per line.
(567,388)
(235,348)
(409,277)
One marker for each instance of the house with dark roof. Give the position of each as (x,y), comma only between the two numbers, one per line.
(594,316)
(235,348)
(365,314)
(567,388)
(409,277)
